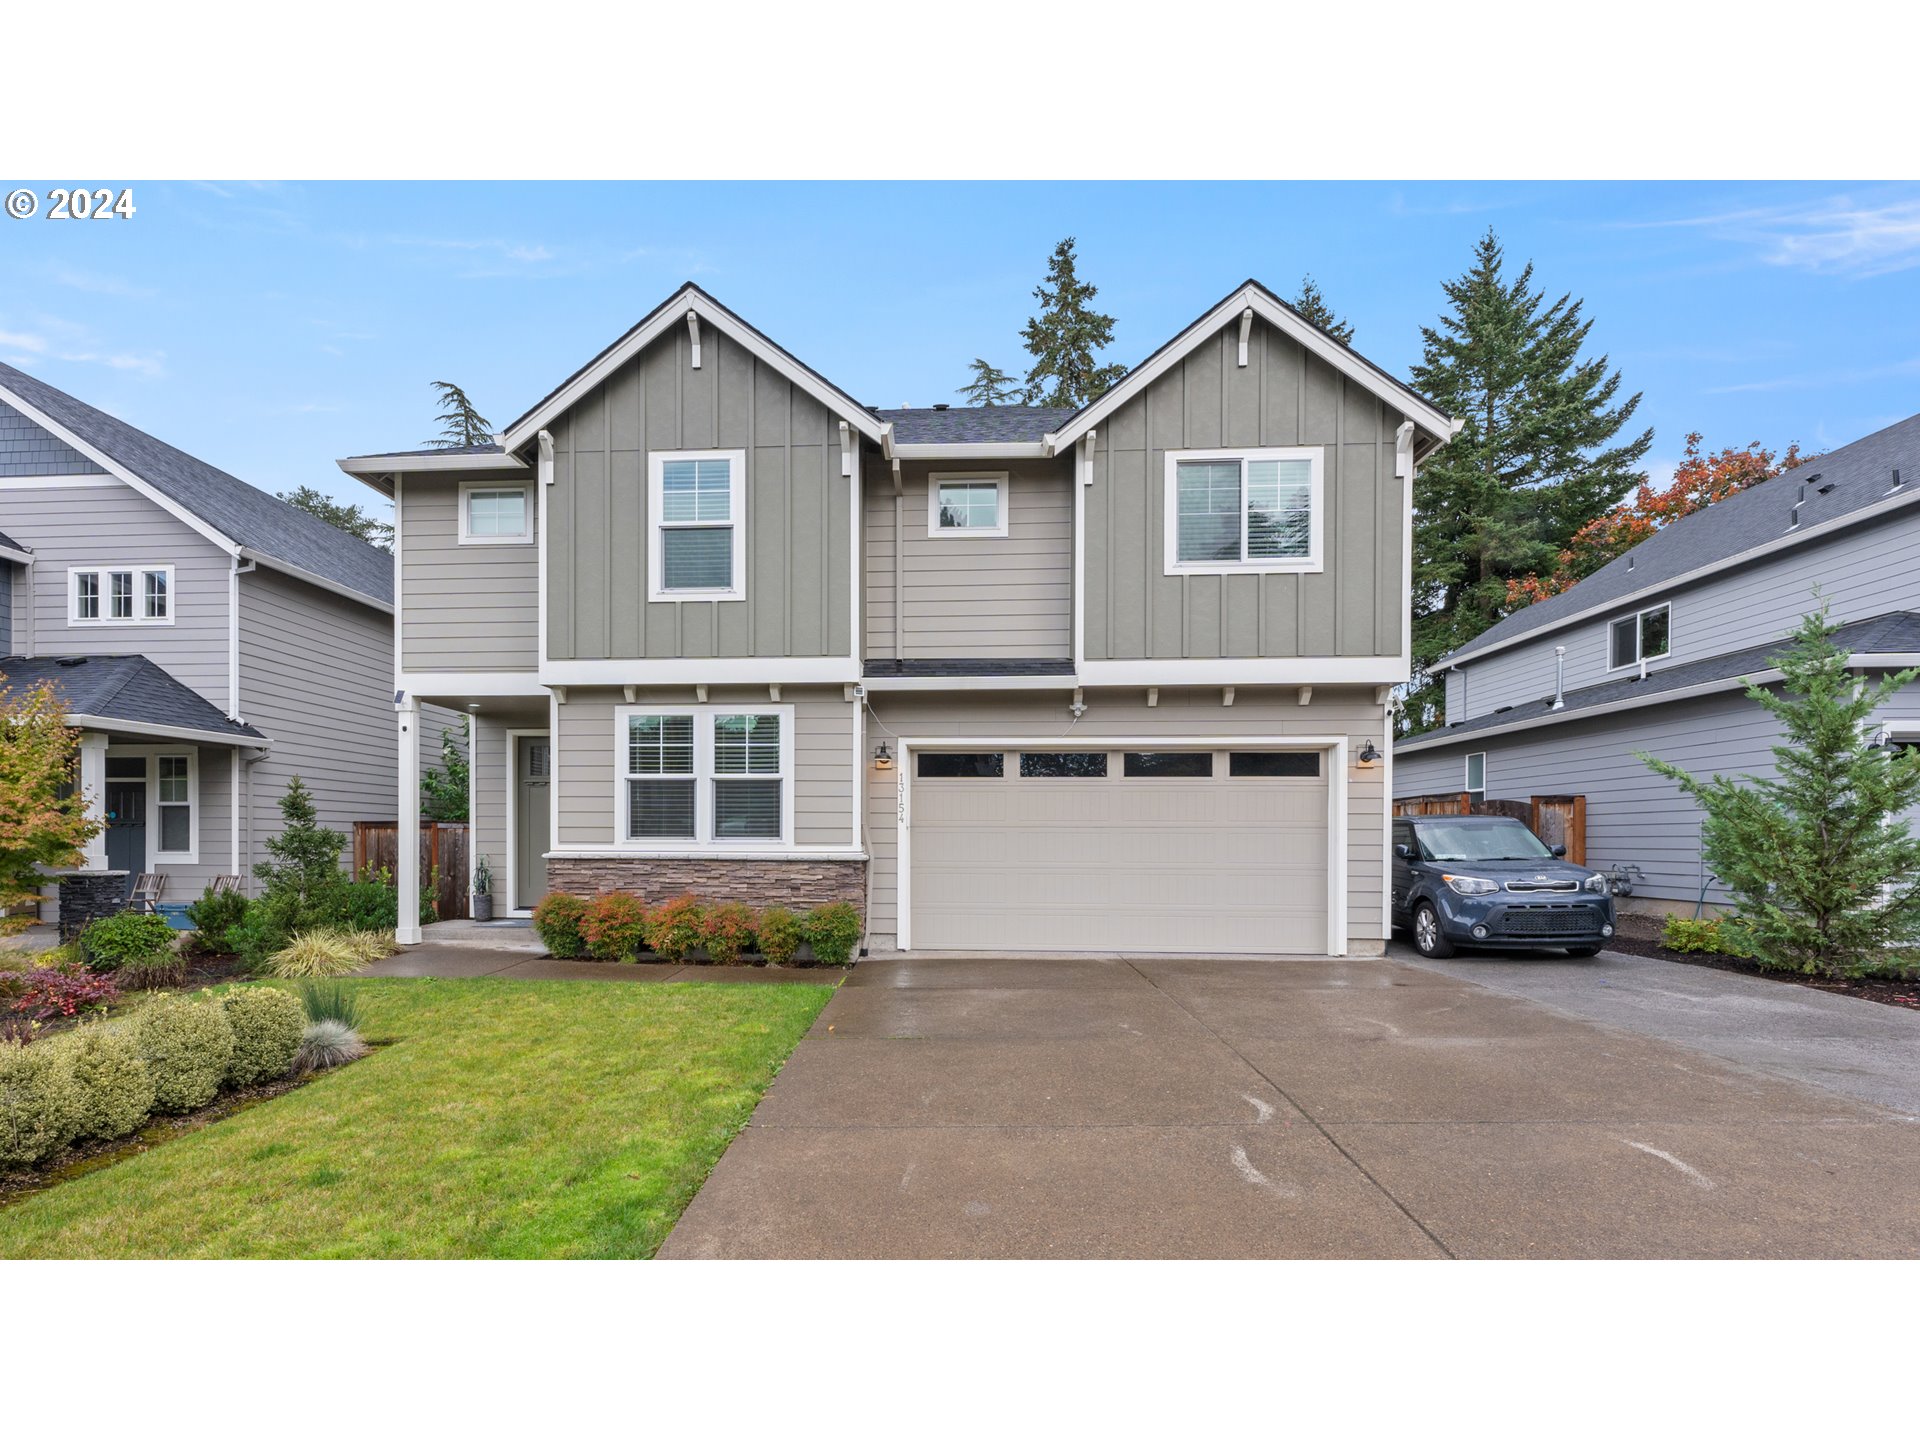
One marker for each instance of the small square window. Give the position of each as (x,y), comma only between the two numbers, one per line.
(495,514)
(1476,778)
(967,506)
(1634,638)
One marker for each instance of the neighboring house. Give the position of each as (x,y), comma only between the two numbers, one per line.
(1009,679)
(1652,653)
(209,641)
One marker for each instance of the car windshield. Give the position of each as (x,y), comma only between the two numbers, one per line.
(1506,840)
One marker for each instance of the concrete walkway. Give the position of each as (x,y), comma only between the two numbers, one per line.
(1195,1108)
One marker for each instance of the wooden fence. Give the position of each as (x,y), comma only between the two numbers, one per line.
(1556,819)
(443,847)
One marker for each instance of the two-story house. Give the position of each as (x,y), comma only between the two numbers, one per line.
(208,641)
(1653,653)
(1009,679)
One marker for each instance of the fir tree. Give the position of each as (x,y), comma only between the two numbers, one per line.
(443,789)
(460,423)
(1823,870)
(1313,306)
(990,385)
(342,516)
(1063,337)
(1536,457)
(305,867)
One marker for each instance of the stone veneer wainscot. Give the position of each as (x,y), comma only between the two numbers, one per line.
(797,884)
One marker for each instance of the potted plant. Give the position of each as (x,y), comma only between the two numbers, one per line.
(482,889)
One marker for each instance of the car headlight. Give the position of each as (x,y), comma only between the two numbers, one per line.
(1470,885)
(1597,884)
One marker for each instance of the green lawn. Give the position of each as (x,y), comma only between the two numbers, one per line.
(497,1118)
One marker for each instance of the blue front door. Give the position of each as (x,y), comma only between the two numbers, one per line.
(127,829)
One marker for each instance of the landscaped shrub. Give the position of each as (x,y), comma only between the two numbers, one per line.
(331,1002)
(557,918)
(614,926)
(317,955)
(214,917)
(834,931)
(326,1044)
(264,930)
(47,994)
(674,927)
(267,1026)
(370,903)
(780,934)
(726,932)
(370,945)
(114,1088)
(133,941)
(39,1104)
(187,1046)
(1722,935)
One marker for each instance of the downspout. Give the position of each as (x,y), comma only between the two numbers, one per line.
(27,645)
(1559,677)
(899,570)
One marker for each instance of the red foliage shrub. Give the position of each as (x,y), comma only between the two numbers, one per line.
(675,928)
(557,918)
(615,926)
(43,994)
(726,932)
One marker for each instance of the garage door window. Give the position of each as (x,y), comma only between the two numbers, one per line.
(1290,764)
(1169,765)
(1063,765)
(962,765)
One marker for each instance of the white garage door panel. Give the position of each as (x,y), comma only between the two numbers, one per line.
(1151,865)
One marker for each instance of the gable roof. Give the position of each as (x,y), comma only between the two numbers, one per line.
(228,510)
(1847,486)
(973,424)
(128,689)
(12,546)
(1254,296)
(672,311)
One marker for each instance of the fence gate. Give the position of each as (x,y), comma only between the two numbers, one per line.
(443,848)
(1562,820)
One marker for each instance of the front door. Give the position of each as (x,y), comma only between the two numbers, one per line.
(127,828)
(532,817)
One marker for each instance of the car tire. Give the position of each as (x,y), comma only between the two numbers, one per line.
(1583,952)
(1428,938)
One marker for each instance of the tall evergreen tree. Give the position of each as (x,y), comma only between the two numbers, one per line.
(990,385)
(1313,306)
(460,423)
(342,516)
(1063,337)
(1536,458)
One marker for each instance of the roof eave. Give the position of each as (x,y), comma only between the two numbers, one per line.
(975,450)
(337,587)
(121,725)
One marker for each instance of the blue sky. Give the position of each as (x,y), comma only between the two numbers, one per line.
(272,329)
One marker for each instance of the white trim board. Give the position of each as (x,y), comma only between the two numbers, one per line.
(469,684)
(1296,670)
(777,670)
(113,725)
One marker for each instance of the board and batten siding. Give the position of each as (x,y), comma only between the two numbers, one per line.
(798,570)
(1867,571)
(465,607)
(970,597)
(1179,714)
(1282,396)
(111,524)
(823,780)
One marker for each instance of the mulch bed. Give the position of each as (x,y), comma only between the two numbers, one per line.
(1639,935)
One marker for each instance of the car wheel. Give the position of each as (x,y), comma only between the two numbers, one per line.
(1428,938)
(1582,952)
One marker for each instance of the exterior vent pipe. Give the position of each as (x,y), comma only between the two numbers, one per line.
(1559,677)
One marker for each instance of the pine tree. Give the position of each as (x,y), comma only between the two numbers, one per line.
(1823,870)
(460,423)
(306,858)
(1063,337)
(342,516)
(990,385)
(1313,306)
(1536,457)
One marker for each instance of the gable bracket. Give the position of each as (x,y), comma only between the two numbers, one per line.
(693,334)
(1246,328)
(846,448)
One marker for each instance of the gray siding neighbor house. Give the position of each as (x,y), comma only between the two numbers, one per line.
(208,640)
(1653,652)
(1005,678)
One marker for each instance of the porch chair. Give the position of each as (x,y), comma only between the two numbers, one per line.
(146,893)
(226,884)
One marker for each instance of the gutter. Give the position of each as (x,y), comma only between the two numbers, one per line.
(319,582)
(115,725)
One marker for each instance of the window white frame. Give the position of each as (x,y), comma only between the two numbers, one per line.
(1311,563)
(996,531)
(657,461)
(1466,779)
(1638,619)
(102,576)
(470,488)
(156,857)
(703,777)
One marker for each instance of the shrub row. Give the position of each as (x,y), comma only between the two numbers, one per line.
(618,926)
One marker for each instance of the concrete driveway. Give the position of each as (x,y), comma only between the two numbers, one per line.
(1057,1107)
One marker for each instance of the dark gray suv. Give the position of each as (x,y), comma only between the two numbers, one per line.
(1488,882)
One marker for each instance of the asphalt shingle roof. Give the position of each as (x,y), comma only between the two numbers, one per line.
(973,424)
(1835,485)
(8,543)
(1896,633)
(128,688)
(250,517)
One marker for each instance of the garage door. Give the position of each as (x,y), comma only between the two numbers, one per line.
(1168,852)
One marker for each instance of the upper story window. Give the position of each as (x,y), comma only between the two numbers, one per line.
(1475,780)
(697,534)
(1253,511)
(962,506)
(1633,638)
(705,775)
(493,514)
(113,595)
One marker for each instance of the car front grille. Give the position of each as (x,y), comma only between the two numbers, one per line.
(1563,887)
(1548,920)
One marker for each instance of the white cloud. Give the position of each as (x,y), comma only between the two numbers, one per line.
(1822,381)
(35,344)
(96,284)
(1834,235)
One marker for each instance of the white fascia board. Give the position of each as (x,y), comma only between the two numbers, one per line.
(787,670)
(1441,428)
(470,684)
(672,313)
(114,467)
(18,557)
(364,465)
(1638,598)
(878,683)
(114,725)
(273,562)
(1301,670)
(1006,450)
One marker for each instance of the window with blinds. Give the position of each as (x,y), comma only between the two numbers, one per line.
(173,800)
(698,505)
(746,783)
(1255,510)
(660,778)
(706,775)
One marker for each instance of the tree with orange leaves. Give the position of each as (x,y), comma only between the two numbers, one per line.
(1698,481)
(43,818)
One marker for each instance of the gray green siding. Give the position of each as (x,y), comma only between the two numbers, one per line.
(798,569)
(1283,396)
(465,607)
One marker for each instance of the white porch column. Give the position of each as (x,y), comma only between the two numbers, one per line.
(93,785)
(407,860)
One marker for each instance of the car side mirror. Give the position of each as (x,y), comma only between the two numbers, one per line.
(1559,852)
(1405,852)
